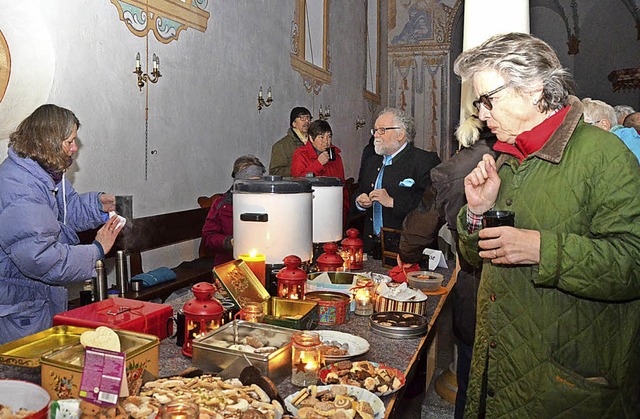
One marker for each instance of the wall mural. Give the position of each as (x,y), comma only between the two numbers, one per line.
(419,63)
(165,18)
(5,65)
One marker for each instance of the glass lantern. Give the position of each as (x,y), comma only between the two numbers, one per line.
(364,294)
(355,246)
(202,314)
(291,279)
(306,358)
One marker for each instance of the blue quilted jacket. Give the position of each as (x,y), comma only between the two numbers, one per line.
(562,338)
(39,251)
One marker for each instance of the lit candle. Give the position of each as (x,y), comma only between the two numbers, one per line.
(138,60)
(269,93)
(311,366)
(260,93)
(155,62)
(257,263)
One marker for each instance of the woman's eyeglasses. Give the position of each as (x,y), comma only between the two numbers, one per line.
(382,130)
(485,99)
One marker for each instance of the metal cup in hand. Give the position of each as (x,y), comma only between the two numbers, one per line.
(498,218)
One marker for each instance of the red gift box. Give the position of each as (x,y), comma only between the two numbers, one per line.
(121,313)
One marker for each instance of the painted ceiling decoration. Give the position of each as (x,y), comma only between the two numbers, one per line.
(634,8)
(573,31)
(165,18)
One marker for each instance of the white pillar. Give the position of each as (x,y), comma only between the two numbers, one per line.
(485,18)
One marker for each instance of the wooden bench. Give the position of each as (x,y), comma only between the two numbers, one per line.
(157,231)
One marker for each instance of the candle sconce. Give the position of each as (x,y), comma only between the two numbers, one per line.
(324,114)
(144,77)
(262,103)
(359,122)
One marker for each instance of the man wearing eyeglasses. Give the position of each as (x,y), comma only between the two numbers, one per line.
(393,180)
(297,136)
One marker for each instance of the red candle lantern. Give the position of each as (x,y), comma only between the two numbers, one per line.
(291,279)
(201,314)
(355,246)
(330,260)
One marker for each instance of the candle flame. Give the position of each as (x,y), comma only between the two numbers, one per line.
(253,253)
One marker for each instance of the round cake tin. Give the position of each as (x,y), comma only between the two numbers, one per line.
(398,324)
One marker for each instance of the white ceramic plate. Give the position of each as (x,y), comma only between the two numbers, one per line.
(357,392)
(357,345)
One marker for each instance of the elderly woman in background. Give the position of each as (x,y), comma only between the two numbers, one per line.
(558,317)
(40,213)
(217,232)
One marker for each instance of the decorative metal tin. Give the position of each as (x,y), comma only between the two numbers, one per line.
(26,351)
(221,347)
(240,282)
(383,304)
(333,307)
(399,324)
(62,370)
(243,287)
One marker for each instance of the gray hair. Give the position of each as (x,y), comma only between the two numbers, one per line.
(403,120)
(623,110)
(597,110)
(524,61)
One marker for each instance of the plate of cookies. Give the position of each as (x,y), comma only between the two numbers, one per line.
(335,401)
(337,346)
(378,379)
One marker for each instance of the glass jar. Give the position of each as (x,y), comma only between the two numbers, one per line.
(306,358)
(363,294)
(180,409)
(251,312)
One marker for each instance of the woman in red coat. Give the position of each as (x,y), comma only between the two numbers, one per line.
(217,233)
(321,158)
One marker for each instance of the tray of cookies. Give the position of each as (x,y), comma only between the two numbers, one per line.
(379,379)
(335,401)
(398,324)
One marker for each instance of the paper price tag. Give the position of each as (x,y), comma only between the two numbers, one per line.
(436,259)
(102,376)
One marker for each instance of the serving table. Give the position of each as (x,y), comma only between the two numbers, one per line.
(402,354)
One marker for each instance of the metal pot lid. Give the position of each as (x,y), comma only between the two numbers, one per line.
(272,185)
(320,180)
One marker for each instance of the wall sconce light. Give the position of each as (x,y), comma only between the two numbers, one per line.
(324,114)
(144,77)
(264,103)
(359,122)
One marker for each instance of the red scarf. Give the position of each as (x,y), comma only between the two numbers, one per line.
(531,141)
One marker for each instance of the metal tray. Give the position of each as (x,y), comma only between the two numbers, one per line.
(212,352)
(398,324)
(27,351)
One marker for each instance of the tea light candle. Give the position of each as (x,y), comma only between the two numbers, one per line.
(364,304)
(257,263)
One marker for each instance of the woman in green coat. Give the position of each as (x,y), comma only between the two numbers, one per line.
(558,317)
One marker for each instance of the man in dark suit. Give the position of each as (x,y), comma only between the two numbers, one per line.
(393,180)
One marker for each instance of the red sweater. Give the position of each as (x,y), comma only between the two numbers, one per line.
(305,160)
(218,229)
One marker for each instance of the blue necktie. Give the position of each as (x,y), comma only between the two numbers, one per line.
(377,207)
